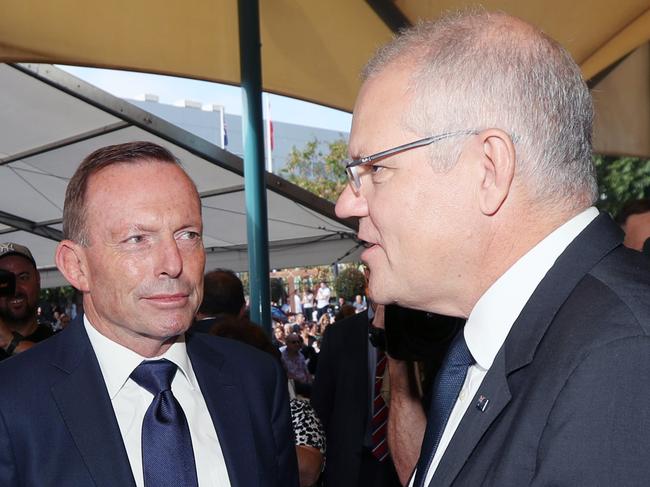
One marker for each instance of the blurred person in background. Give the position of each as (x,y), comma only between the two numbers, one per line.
(322,300)
(323,323)
(359,304)
(224,299)
(634,219)
(19,323)
(295,365)
(296,302)
(308,304)
(347,398)
(278,335)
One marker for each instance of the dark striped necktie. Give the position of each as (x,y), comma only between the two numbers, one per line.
(379,412)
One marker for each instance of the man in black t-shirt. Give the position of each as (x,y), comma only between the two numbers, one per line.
(19,328)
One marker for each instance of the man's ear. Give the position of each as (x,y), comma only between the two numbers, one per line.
(71,261)
(497,169)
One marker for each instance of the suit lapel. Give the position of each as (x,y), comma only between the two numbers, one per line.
(84,404)
(599,238)
(228,411)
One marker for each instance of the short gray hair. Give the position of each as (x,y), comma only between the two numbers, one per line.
(476,70)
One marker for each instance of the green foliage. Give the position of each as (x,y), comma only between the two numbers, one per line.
(349,283)
(57,294)
(322,173)
(620,180)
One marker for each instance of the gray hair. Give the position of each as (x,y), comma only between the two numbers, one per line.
(476,70)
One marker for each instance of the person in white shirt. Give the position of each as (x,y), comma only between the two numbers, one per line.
(473,182)
(297,302)
(308,304)
(322,300)
(124,396)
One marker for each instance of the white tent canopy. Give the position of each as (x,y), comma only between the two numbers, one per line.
(52,120)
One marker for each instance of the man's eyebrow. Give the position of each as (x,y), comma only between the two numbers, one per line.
(132,228)
(141,227)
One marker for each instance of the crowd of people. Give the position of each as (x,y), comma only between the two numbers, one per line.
(312,309)
(303,332)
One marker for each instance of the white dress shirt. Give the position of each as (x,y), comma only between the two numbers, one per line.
(130,403)
(495,312)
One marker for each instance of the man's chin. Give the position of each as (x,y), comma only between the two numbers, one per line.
(175,326)
(379,294)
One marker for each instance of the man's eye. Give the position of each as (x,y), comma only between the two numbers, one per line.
(375,168)
(190,235)
(135,239)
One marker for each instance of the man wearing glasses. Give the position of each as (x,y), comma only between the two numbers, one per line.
(476,131)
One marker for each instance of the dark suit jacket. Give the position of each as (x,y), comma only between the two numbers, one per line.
(58,428)
(203,326)
(340,397)
(569,391)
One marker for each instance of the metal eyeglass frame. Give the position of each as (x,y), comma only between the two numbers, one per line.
(351,168)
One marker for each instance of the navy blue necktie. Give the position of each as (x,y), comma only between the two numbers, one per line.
(446,388)
(167,455)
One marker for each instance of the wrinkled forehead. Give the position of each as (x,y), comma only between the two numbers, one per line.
(130,179)
(121,190)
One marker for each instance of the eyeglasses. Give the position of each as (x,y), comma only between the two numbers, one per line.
(352,168)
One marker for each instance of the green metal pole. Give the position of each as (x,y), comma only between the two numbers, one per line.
(254,173)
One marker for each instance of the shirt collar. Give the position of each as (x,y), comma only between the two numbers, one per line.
(117,362)
(495,312)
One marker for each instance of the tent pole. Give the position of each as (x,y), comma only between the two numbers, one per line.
(254,173)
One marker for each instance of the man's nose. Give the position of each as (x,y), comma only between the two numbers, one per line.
(350,204)
(170,260)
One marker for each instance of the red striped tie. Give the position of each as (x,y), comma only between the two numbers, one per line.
(379,412)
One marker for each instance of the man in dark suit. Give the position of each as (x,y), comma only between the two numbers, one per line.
(124,396)
(341,396)
(476,131)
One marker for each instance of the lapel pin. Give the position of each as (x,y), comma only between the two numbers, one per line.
(482,403)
